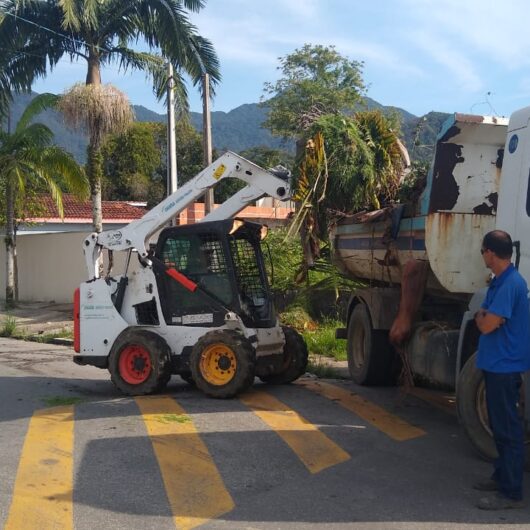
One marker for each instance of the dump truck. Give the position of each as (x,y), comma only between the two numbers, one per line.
(423,273)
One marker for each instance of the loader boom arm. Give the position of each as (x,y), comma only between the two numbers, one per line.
(137,233)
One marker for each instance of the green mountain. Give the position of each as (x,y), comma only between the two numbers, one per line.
(241,128)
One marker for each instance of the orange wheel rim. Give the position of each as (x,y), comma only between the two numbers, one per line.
(218,364)
(135,364)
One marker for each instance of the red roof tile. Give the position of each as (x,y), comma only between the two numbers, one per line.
(79,211)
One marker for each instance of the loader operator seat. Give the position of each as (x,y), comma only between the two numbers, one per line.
(201,269)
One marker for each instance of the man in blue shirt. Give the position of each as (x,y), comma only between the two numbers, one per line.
(503,355)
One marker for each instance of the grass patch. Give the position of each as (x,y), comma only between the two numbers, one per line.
(8,326)
(58,401)
(322,341)
(173,418)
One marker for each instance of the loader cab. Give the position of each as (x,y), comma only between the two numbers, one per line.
(225,260)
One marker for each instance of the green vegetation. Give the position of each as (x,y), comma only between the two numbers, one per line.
(349,164)
(267,157)
(295,316)
(316,80)
(135,162)
(61,401)
(9,326)
(30,161)
(131,161)
(322,341)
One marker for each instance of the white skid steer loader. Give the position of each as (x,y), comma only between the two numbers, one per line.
(197,303)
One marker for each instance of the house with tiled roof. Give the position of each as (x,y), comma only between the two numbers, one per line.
(78,215)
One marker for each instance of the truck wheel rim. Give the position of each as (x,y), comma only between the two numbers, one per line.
(358,346)
(135,364)
(482,409)
(218,364)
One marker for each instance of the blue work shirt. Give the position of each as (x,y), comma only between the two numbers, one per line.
(507,349)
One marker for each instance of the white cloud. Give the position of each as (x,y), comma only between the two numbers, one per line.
(496,30)
(307,9)
(377,55)
(452,59)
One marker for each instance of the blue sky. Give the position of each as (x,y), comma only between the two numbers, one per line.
(420,55)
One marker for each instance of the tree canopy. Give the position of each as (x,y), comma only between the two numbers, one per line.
(29,162)
(34,36)
(135,162)
(315,80)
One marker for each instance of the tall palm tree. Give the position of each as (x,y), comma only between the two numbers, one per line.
(36,34)
(28,160)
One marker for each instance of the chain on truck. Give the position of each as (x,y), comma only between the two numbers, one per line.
(192,300)
(423,268)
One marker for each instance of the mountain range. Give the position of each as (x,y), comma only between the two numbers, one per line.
(241,128)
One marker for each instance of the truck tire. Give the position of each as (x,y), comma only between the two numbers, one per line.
(223,363)
(295,359)
(471,409)
(371,359)
(139,362)
(473,415)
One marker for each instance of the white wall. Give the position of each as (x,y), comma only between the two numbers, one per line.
(50,266)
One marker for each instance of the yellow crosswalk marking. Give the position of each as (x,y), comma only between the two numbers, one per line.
(194,487)
(313,447)
(42,496)
(393,426)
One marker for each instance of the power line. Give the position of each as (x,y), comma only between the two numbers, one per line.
(70,62)
(49,30)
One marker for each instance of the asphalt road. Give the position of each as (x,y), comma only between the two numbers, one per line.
(74,453)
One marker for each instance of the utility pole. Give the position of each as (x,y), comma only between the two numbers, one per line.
(171,141)
(207,138)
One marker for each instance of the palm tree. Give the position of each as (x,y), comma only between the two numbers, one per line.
(98,110)
(28,160)
(38,33)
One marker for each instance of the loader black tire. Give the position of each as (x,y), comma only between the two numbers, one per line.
(223,363)
(471,409)
(294,359)
(139,362)
(371,358)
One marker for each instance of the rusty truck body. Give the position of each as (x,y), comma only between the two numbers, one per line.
(478,181)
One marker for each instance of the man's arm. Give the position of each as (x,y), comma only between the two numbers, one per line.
(488,322)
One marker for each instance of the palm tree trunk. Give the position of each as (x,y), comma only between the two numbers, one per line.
(94,172)
(16,263)
(10,245)
(93,76)
(94,164)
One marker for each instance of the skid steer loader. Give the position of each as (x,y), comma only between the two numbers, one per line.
(195,303)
